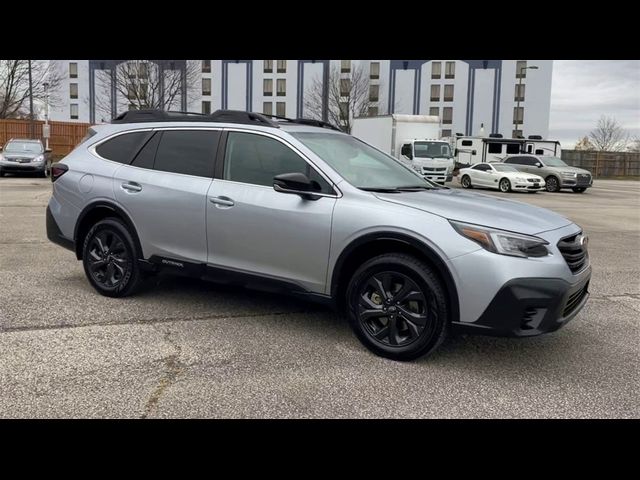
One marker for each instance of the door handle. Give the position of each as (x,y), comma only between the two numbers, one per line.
(222,201)
(132,187)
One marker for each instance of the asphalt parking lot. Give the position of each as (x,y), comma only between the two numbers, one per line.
(186,348)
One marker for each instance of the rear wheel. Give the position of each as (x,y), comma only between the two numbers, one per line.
(110,259)
(505,185)
(465,181)
(397,307)
(579,189)
(552,184)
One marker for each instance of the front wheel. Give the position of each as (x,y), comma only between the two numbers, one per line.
(552,184)
(110,259)
(579,189)
(505,185)
(465,181)
(397,307)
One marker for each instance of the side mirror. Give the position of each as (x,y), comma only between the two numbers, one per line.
(473,152)
(297,184)
(538,164)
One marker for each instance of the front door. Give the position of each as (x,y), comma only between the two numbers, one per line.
(252,228)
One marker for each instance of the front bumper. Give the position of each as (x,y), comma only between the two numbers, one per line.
(530,186)
(579,182)
(16,167)
(526,307)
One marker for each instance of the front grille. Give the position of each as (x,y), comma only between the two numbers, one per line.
(427,169)
(574,252)
(574,300)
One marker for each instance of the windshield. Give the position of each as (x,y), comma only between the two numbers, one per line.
(360,164)
(554,162)
(503,168)
(432,149)
(23,147)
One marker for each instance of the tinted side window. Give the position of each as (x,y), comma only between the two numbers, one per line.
(516,160)
(467,143)
(495,148)
(145,157)
(123,147)
(482,167)
(190,152)
(513,148)
(256,159)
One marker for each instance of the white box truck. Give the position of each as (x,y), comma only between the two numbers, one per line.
(412,139)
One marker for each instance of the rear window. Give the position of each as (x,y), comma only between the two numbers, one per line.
(122,148)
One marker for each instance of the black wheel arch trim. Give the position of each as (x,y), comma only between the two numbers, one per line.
(118,211)
(425,249)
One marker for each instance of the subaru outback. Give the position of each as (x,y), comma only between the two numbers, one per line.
(300,207)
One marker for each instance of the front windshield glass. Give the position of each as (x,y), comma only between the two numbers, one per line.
(554,162)
(360,164)
(431,149)
(23,147)
(504,168)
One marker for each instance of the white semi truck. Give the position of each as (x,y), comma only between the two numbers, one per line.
(412,139)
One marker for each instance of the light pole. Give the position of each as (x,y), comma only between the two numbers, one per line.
(31,125)
(520,73)
(46,113)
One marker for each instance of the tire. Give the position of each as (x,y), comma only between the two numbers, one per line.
(383,327)
(552,184)
(579,189)
(1,173)
(110,241)
(504,185)
(465,181)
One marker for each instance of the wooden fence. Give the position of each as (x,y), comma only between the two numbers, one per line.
(64,136)
(604,164)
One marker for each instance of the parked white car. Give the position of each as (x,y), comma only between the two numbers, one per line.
(498,175)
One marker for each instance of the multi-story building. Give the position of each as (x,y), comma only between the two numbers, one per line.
(511,97)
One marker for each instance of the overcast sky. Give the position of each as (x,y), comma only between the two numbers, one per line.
(582,90)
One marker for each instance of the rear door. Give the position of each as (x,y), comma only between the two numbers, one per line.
(164,190)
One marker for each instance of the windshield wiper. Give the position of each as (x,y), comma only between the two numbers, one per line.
(408,188)
(414,188)
(379,189)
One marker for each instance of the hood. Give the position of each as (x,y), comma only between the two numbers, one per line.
(20,154)
(570,169)
(480,209)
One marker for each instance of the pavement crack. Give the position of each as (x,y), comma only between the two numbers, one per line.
(173,367)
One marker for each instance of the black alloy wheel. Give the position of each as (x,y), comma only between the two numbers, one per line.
(552,184)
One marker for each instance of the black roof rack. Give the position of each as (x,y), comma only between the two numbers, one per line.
(495,135)
(228,116)
(535,137)
(306,121)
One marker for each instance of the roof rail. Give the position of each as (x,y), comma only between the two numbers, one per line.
(535,137)
(228,116)
(495,135)
(306,121)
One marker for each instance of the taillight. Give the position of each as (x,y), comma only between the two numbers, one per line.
(57,170)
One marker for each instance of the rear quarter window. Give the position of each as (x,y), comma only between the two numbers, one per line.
(122,148)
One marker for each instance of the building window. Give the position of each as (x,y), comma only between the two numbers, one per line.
(374,71)
(446,133)
(267,108)
(521,69)
(73,90)
(447,115)
(281,109)
(435,93)
(373,111)
(436,69)
(344,111)
(282,66)
(206,66)
(206,107)
(73,110)
(268,66)
(450,70)
(518,114)
(143,70)
(434,111)
(519,95)
(345,87)
(345,66)
(448,93)
(73,70)
(206,86)
(516,134)
(281,85)
(131,92)
(374,93)
(267,87)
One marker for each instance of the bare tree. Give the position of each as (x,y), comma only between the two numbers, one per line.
(14,85)
(584,144)
(634,145)
(141,84)
(609,135)
(349,95)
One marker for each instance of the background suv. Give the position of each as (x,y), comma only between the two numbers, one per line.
(555,172)
(25,156)
(298,206)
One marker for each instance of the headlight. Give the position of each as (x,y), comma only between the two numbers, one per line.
(569,174)
(38,159)
(521,179)
(503,242)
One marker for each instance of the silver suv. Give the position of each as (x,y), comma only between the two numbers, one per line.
(556,173)
(25,156)
(300,207)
